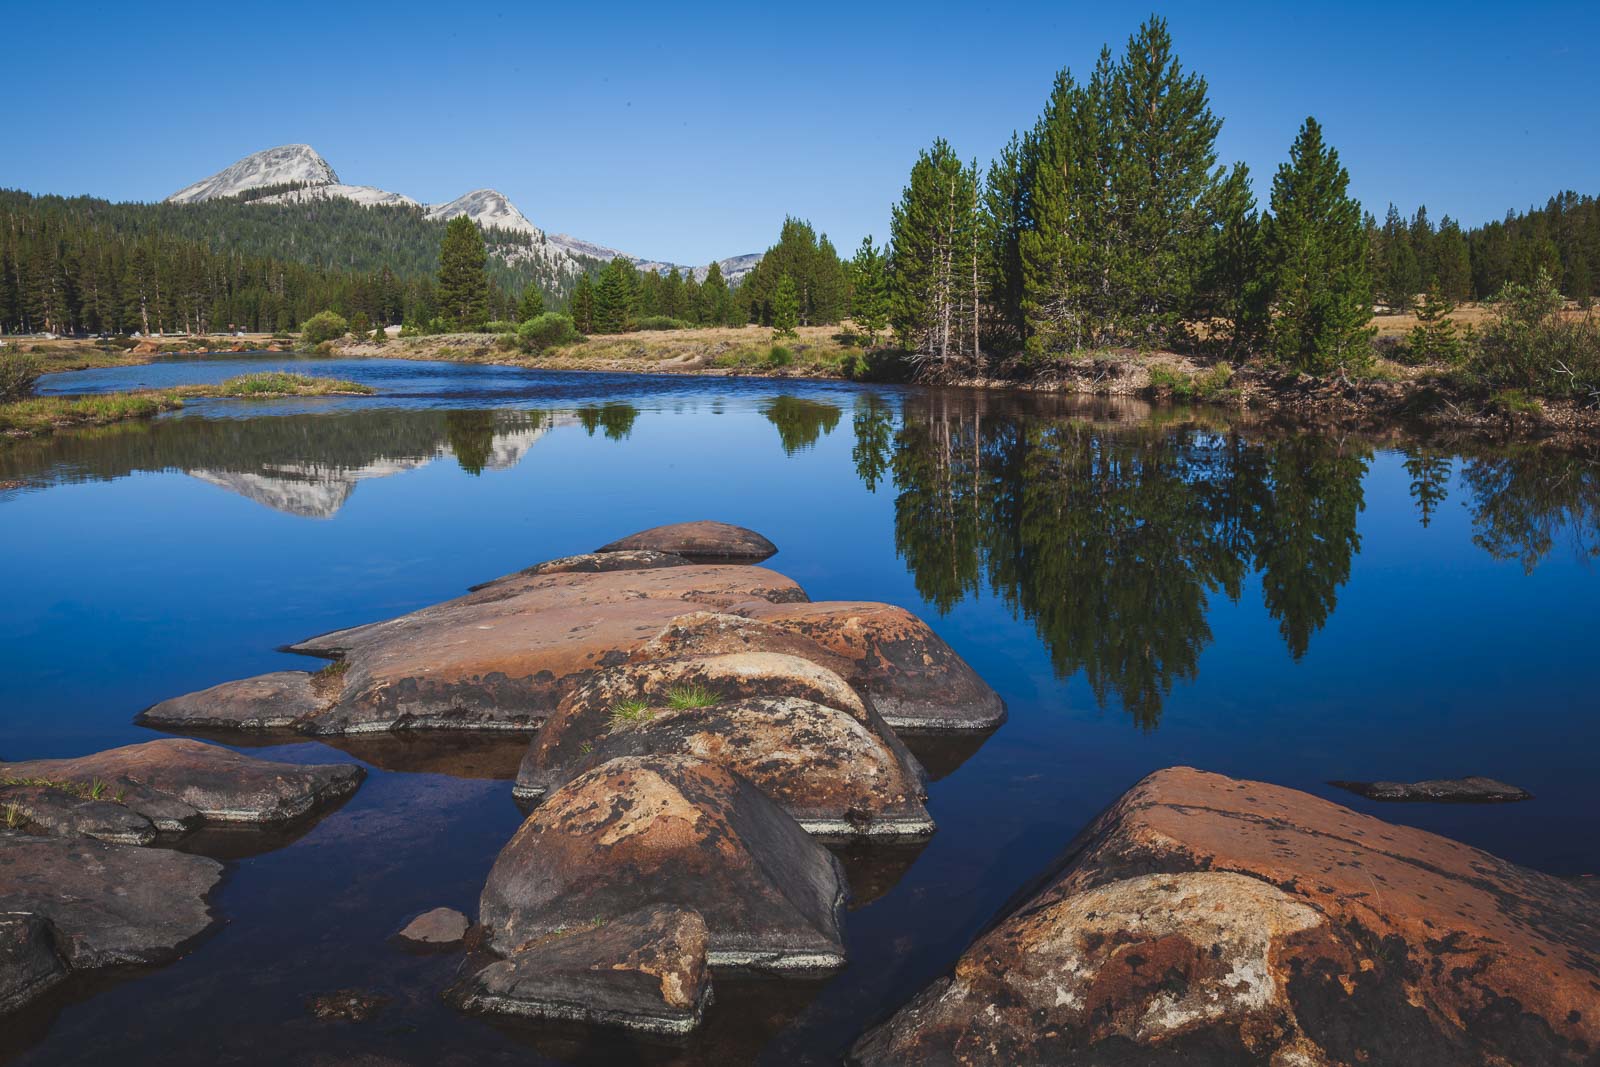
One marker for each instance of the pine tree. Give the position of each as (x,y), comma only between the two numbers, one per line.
(1054,250)
(785,308)
(1452,261)
(933,274)
(869,302)
(1004,218)
(1229,295)
(614,298)
(693,304)
(531,306)
(1434,338)
(463,282)
(1316,260)
(672,295)
(1399,276)
(714,299)
(583,305)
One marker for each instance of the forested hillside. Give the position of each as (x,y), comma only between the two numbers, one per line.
(83,264)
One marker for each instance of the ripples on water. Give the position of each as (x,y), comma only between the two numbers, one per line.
(1143,588)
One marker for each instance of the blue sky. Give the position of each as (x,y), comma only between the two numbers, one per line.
(686,131)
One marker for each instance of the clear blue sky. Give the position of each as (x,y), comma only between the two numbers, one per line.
(683,131)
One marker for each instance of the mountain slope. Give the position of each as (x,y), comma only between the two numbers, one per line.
(290,163)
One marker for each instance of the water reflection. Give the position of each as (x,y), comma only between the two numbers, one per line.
(801,422)
(1112,534)
(614,420)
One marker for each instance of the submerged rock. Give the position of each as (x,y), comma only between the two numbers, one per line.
(672,830)
(645,970)
(1208,920)
(108,904)
(176,783)
(834,774)
(348,1005)
(1472,790)
(702,541)
(29,964)
(441,926)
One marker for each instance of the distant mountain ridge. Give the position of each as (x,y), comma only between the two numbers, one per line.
(302,166)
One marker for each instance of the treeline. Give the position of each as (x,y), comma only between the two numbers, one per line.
(65,263)
(1413,256)
(1111,223)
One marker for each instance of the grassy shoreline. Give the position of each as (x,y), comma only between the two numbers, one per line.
(40,415)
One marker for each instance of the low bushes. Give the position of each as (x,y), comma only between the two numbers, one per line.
(18,375)
(324,326)
(1530,347)
(549,330)
(662,322)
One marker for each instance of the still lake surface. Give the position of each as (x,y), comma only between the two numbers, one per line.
(1143,587)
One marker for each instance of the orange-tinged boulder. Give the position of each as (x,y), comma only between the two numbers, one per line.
(702,540)
(1206,920)
(670,830)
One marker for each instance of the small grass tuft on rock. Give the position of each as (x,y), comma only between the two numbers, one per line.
(629,712)
(685,697)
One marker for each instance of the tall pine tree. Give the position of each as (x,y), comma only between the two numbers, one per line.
(463,291)
(1316,260)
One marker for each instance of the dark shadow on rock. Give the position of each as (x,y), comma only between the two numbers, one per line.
(941,754)
(494,757)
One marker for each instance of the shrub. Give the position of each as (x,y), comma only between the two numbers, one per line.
(499,326)
(779,356)
(662,322)
(324,326)
(548,330)
(507,342)
(18,375)
(1529,347)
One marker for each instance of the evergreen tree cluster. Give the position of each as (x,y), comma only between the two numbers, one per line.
(1110,224)
(1413,256)
(813,267)
(620,297)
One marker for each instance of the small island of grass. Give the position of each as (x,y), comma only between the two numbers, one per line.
(30,416)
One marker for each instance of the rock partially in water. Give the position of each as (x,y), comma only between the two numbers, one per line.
(645,970)
(917,682)
(1212,921)
(347,1005)
(29,963)
(1473,790)
(267,702)
(702,541)
(50,809)
(596,563)
(834,774)
(177,783)
(108,904)
(441,926)
(672,830)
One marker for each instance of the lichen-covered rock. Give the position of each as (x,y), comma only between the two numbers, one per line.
(717,633)
(644,971)
(702,541)
(176,783)
(673,830)
(108,904)
(29,964)
(497,659)
(50,809)
(916,681)
(1473,790)
(833,773)
(441,926)
(597,562)
(1203,920)
(266,702)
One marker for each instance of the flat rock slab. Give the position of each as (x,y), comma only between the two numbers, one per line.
(266,702)
(29,964)
(108,904)
(643,971)
(916,681)
(1211,921)
(834,774)
(673,830)
(177,783)
(441,926)
(48,809)
(703,541)
(597,562)
(1472,790)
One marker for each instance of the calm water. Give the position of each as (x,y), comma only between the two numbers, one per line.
(1142,589)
